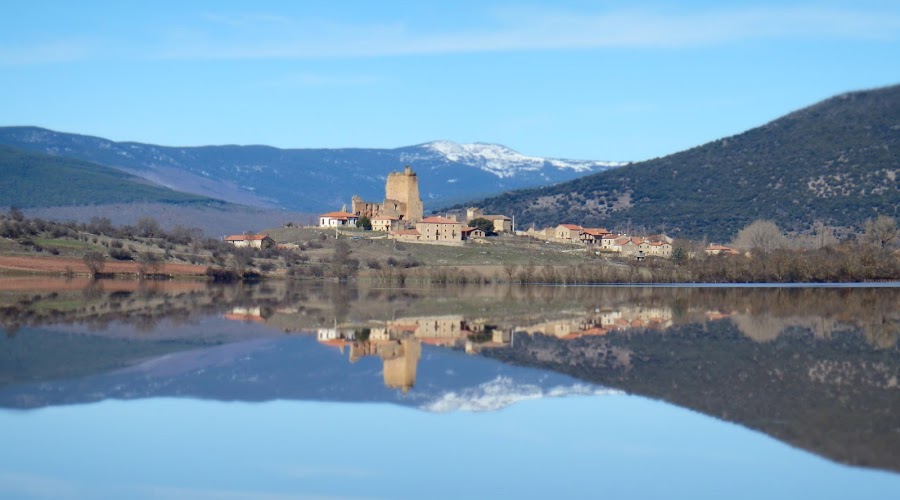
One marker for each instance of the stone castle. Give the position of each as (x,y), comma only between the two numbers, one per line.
(401,199)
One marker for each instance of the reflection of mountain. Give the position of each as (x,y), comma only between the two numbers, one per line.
(817,367)
(299,368)
(838,397)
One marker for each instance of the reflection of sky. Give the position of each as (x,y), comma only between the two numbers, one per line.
(603,446)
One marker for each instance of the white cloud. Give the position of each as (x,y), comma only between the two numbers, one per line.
(523,30)
(271,36)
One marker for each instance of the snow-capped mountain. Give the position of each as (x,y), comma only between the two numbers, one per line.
(500,160)
(312,180)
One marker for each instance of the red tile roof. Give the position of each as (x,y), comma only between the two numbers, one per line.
(439,220)
(339,215)
(595,231)
(572,227)
(246,237)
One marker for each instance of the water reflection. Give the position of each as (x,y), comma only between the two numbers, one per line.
(814,367)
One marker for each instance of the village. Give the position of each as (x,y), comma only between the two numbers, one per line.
(398,342)
(400,216)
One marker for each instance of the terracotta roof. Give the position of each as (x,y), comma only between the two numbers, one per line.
(610,236)
(339,215)
(439,220)
(573,227)
(468,229)
(385,217)
(244,317)
(595,231)
(246,237)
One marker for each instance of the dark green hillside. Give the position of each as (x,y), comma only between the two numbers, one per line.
(38,180)
(836,162)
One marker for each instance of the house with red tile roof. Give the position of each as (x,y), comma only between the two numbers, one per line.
(568,232)
(440,229)
(713,249)
(385,223)
(338,219)
(592,235)
(250,240)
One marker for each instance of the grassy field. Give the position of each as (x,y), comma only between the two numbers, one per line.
(494,251)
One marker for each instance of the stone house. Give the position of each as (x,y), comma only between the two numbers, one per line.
(659,249)
(502,223)
(592,236)
(469,233)
(250,240)
(441,229)
(719,250)
(568,232)
(406,234)
(627,246)
(338,219)
(385,223)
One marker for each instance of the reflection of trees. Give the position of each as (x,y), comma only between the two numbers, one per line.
(759,312)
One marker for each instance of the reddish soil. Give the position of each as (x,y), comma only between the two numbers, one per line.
(59,284)
(62,265)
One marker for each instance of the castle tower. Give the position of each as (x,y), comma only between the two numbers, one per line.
(402,192)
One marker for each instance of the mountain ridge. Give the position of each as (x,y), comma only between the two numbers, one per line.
(309,180)
(835,163)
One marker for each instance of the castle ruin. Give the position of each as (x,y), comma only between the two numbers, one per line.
(401,199)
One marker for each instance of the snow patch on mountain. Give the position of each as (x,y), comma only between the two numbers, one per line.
(503,391)
(500,160)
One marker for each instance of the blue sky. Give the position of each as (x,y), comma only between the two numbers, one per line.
(596,80)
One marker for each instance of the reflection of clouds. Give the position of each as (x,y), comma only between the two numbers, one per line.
(503,391)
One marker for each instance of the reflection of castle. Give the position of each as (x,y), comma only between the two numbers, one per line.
(400,356)
(399,342)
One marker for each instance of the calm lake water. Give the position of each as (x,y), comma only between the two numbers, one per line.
(183,390)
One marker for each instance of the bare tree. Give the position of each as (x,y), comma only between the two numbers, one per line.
(761,235)
(150,263)
(95,261)
(881,232)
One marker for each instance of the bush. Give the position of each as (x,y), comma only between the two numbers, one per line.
(120,254)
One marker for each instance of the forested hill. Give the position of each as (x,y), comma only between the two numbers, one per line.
(836,162)
(30,179)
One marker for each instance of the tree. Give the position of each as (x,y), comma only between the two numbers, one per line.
(365,223)
(15,213)
(148,227)
(761,235)
(483,224)
(150,263)
(95,261)
(881,232)
(342,266)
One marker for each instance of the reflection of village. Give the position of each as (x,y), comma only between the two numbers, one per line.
(399,342)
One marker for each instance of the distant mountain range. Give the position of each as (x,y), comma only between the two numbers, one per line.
(35,180)
(309,180)
(836,162)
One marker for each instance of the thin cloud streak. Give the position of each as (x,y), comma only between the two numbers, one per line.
(256,36)
(547,31)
